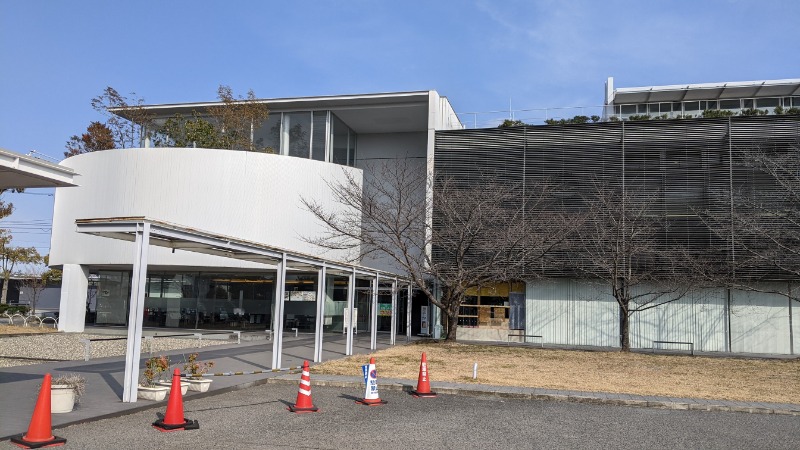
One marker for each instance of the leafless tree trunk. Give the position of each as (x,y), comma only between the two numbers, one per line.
(622,244)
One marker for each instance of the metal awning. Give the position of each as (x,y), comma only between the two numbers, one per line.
(165,234)
(708,91)
(22,172)
(146,232)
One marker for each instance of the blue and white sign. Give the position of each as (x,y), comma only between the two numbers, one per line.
(371,381)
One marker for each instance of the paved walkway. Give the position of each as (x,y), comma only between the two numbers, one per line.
(18,385)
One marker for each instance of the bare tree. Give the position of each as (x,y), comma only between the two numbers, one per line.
(36,278)
(622,245)
(462,236)
(757,222)
(127,117)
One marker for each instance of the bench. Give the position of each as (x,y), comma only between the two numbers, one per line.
(522,335)
(690,344)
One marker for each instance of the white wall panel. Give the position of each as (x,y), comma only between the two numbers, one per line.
(571,312)
(247,195)
(759,321)
(698,317)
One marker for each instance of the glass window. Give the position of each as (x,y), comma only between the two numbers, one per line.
(796,102)
(339,141)
(729,104)
(676,107)
(268,137)
(770,102)
(296,136)
(628,109)
(642,108)
(691,106)
(747,103)
(653,108)
(708,104)
(318,138)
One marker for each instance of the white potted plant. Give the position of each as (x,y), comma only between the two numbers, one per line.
(65,392)
(196,370)
(149,389)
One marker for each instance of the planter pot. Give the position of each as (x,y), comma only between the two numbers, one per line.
(168,385)
(199,384)
(155,393)
(62,398)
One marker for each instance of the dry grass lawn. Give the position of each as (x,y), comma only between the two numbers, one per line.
(12,330)
(631,373)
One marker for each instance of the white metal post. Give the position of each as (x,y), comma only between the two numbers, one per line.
(136,314)
(351,296)
(321,296)
(393,329)
(373,318)
(277,321)
(408,314)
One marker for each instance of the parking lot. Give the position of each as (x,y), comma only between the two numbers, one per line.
(257,418)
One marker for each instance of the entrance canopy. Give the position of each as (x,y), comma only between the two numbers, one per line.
(22,172)
(164,234)
(145,232)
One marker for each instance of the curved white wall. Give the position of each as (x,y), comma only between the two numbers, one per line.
(252,196)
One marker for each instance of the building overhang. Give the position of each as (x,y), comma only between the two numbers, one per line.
(707,91)
(177,237)
(396,112)
(22,172)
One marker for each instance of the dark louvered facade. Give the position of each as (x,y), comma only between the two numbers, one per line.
(691,165)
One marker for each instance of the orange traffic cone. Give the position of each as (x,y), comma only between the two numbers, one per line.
(39,432)
(371,396)
(173,420)
(423,382)
(303,403)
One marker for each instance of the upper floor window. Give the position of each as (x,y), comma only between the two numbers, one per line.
(318,135)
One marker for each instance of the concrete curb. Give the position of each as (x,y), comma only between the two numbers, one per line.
(466,391)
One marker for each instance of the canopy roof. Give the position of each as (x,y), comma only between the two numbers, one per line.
(21,172)
(708,91)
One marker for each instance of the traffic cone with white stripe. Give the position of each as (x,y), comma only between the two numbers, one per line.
(423,382)
(303,403)
(371,396)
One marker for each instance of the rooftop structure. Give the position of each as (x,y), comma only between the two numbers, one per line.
(692,100)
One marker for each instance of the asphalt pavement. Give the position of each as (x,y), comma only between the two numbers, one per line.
(256,418)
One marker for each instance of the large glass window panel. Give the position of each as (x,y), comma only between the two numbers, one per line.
(268,137)
(628,109)
(297,134)
(729,104)
(351,149)
(113,293)
(318,138)
(339,141)
(333,323)
(770,102)
(300,303)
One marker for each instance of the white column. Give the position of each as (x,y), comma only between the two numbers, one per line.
(351,297)
(136,313)
(72,308)
(373,317)
(321,295)
(408,313)
(393,329)
(277,319)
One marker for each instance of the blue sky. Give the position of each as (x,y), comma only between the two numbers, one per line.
(482,55)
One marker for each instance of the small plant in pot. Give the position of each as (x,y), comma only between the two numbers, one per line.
(149,387)
(65,392)
(196,369)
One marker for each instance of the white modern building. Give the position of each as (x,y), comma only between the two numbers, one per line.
(228,230)
(250,196)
